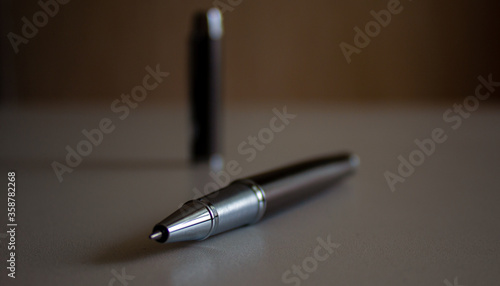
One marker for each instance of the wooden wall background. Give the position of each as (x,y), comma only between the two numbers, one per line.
(93,51)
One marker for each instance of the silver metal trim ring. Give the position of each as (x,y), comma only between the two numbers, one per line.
(260,194)
(213,213)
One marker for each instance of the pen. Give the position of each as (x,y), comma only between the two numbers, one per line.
(205,87)
(246,201)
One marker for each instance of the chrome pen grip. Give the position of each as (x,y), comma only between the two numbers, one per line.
(240,203)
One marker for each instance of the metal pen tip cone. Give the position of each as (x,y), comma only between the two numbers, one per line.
(156,235)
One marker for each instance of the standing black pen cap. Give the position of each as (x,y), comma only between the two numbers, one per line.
(206,88)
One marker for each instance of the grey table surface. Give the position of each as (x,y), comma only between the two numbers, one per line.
(438,227)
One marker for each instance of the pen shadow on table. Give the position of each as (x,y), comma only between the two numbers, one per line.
(139,247)
(134,248)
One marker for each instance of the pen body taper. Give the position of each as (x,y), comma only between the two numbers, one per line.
(294,183)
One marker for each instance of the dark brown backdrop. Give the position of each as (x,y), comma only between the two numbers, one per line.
(92,51)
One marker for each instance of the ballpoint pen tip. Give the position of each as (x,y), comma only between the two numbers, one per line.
(156,235)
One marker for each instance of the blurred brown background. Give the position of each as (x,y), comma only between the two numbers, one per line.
(91,52)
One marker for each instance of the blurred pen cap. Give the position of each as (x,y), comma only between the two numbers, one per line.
(215,27)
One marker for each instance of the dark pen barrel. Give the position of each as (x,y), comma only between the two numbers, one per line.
(294,183)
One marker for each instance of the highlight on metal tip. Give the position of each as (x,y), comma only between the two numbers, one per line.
(156,235)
